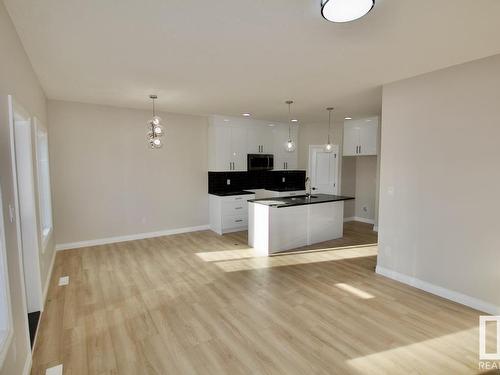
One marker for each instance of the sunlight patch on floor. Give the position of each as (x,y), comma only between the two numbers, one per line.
(215,256)
(354,291)
(432,356)
(291,259)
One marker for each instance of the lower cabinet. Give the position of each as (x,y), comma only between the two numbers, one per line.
(230,213)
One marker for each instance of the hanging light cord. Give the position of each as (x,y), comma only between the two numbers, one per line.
(289,102)
(329,122)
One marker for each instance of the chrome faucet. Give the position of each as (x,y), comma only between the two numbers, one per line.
(308,187)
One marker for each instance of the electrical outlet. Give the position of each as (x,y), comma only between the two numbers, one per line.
(282,179)
(365,209)
(228,182)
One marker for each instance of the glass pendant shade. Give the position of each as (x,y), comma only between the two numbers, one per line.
(155,143)
(156,120)
(290,146)
(154,129)
(158,130)
(345,10)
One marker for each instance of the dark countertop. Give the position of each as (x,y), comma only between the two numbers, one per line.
(300,200)
(229,193)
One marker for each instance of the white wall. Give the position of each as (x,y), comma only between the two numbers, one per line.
(107,183)
(18,79)
(366,187)
(439,207)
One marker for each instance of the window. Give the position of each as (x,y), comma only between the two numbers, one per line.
(5,314)
(44,197)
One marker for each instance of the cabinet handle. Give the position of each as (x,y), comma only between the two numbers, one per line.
(360,149)
(238,208)
(238,221)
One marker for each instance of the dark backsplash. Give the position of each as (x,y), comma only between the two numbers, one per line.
(217,181)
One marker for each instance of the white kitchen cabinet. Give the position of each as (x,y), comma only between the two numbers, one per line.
(238,152)
(283,159)
(259,140)
(230,139)
(227,148)
(230,213)
(361,137)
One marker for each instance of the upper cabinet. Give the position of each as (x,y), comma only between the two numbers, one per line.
(230,139)
(259,140)
(283,159)
(361,137)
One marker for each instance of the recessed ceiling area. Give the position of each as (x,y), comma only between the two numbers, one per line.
(229,57)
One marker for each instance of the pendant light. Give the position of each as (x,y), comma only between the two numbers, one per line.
(290,144)
(345,10)
(154,129)
(329,146)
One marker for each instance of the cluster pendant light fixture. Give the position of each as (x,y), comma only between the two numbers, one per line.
(290,144)
(329,146)
(154,129)
(345,10)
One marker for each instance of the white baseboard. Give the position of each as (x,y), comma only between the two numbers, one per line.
(131,237)
(440,291)
(361,219)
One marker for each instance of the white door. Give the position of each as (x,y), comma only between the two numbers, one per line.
(323,169)
(22,168)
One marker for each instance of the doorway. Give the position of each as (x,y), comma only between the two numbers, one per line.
(323,169)
(21,134)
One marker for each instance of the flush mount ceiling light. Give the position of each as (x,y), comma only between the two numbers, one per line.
(246,114)
(154,129)
(347,118)
(345,10)
(329,146)
(290,144)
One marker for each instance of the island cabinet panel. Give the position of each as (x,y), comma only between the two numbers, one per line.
(273,229)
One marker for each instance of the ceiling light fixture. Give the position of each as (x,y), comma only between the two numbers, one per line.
(246,114)
(329,146)
(345,10)
(347,118)
(290,144)
(154,129)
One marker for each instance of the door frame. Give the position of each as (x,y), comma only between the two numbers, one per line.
(16,109)
(335,150)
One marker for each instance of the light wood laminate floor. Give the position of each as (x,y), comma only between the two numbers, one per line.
(200,303)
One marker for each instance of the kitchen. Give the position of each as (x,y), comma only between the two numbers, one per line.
(255,183)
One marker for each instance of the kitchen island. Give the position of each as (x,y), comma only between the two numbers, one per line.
(278,224)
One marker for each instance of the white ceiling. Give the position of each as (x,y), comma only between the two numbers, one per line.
(228,57)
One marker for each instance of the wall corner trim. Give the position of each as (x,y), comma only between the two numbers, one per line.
(27,364)
(131,237)
(440,291)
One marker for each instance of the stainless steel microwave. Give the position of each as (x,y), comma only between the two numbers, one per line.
(260,162)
